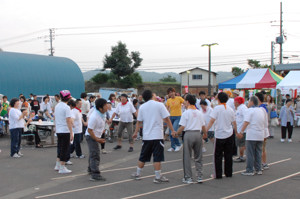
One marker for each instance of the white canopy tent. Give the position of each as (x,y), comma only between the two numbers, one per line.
(290,81)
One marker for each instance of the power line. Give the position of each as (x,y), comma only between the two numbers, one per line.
(159,29)
(159,23)
(24,35)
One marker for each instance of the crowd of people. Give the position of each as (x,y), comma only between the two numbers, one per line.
(225,120)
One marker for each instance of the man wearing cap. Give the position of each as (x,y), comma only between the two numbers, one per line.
(64,131)
(125,110)
(241,110)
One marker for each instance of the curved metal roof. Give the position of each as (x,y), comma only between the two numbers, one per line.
(38,74)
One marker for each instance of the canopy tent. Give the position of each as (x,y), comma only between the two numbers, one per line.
(253,79)
(291,81)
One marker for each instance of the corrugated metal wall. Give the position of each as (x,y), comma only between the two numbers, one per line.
(38,74)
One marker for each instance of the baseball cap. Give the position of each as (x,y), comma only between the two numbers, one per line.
(65,94)
(236,92)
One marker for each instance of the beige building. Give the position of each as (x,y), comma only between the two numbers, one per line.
(197,80)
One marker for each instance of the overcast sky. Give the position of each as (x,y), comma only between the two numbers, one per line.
(167,33)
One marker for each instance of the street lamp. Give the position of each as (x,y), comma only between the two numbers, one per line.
(188,84)
(209,65)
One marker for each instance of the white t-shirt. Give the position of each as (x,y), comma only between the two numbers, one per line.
(256,118)
(96,123)
(125,112)
(198,103)
(152,114)
(45,106)
(240,115)
(223,124)
(230,103)
(192,120)
(85,107)
(77,117)
(14,122)
(207,117)
(62,112)
(111,112)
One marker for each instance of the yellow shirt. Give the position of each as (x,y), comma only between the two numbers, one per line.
(175,105)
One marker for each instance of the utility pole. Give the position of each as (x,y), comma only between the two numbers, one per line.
(51,37)
(281,34)
(272,55)
(209,65)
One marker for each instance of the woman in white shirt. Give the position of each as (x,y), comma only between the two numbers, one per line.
(46,107)
(206,111)
(64,132)
(192,122)
(125,110)
(16,126)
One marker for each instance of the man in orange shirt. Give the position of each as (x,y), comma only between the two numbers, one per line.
(174,106)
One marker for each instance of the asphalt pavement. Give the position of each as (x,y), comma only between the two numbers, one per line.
(33,175)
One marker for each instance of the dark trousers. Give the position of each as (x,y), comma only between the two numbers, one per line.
(103,144)
(15,140)
(223,147)
(289,127)
(234,153)
(63,146)
(76,145)
(84,117)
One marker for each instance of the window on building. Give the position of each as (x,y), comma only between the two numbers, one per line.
(197,76)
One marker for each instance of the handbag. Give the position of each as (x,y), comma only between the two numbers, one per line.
(273,114)
(274,121)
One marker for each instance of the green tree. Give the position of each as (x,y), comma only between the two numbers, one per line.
(100,78)
(168,79)
(131,80)
(121,62)
(236,71)
(256,64)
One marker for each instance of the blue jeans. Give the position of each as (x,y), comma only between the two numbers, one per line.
(254,151)
(175,122)
(15,140)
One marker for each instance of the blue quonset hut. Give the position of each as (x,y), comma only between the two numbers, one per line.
(38,74)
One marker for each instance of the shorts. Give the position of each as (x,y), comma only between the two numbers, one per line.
(210,134)
(241,142)
(155,147)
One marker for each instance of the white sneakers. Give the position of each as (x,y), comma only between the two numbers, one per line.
(16,156)
(289,140)
(62,169)
(20,154)
(69,163)
(178,148)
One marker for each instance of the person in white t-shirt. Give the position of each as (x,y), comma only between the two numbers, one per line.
(241,110)
(192,122)
(202,96)
(16,127)
(46,107)
(206,111)
(64,132)
(85,109)
(125,110)
(77,127)
(255,122)
(224,117)
(95,129)
(152,115)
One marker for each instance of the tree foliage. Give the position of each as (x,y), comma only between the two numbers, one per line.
(100,78)
(236,71)
(168,79)
(131,80)
(256,64)
(121,62)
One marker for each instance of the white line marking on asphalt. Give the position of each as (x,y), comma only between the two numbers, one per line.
(108,184)
(182,185)
(261,186)
(120,169)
